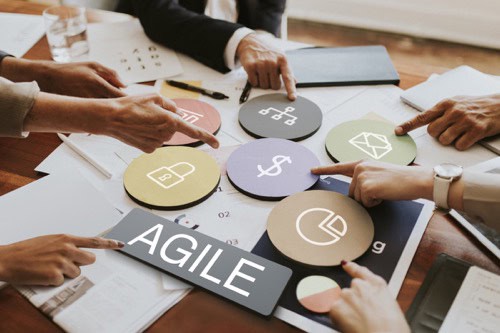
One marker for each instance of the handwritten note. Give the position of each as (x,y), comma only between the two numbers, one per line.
(125,48)
(476,307)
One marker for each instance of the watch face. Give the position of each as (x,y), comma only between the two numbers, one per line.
(448,170)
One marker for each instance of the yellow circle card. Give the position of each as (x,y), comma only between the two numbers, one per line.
(172,178)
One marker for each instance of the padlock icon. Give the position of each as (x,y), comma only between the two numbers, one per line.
(169,176)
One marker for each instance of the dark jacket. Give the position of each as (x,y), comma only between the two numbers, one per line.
(181,25)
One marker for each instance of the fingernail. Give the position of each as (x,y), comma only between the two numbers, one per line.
(398,130)
(343,262)
(120,244)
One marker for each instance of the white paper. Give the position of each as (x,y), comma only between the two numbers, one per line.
(125,48)
(115,294)
(61,203)
(476,306)
(20,32)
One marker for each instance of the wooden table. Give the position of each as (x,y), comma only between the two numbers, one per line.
(200,311)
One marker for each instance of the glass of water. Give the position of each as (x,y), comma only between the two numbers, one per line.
(67,33)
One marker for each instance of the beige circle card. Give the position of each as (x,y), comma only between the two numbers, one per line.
(171,178)
(320,228)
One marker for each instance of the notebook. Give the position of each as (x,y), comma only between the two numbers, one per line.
(342,66)
(463,80)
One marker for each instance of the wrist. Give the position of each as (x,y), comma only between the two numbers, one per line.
(425,183)
(19,70)
(245,43)
(96,115)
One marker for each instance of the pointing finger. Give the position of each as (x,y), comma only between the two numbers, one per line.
(196,132)
(423,118)
(288,79)
(96,242)
(346,169)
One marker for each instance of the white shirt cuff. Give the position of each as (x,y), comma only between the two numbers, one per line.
(232,45)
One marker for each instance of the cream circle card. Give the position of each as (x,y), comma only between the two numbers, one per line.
(317,293)
(320,228)
(369,139)
(275,116)
(197,113)
(171,178)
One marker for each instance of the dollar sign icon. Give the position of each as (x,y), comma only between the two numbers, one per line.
(275,169)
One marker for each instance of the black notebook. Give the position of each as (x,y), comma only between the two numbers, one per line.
(436,295)
(342,66)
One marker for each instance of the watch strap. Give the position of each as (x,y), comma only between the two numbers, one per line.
(440,191)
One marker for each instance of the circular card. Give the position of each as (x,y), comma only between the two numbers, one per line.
(320,228)
(271,169)
(317,293)
(274,116)
(197,113)
(369,139)
(171,178)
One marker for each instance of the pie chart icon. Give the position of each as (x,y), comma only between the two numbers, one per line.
(317,293)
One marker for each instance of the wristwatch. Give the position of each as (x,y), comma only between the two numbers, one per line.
(444,175)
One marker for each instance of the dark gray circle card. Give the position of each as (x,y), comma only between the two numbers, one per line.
(274,116)
(271,169)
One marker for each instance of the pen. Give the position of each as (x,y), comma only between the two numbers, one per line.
(206,92)
(87,157)
(245,93)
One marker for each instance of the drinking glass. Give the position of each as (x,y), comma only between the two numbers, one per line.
(67,33)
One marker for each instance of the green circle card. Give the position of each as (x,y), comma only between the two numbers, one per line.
(369,139)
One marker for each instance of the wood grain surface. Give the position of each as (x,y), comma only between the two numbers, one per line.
(200,311)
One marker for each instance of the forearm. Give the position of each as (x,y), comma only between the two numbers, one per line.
(199,36)
(55,113)
(22,70)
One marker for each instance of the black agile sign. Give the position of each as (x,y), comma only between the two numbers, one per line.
(240,276)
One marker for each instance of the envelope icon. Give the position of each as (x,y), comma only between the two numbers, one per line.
(372,144)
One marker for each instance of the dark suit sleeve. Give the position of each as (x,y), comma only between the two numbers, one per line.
(269,14)
(262,14)
(197,35)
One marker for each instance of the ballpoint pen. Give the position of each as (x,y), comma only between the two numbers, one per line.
(245,93)
(206,92)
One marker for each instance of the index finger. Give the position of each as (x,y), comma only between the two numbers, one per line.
(288,79)
(422,119)
(357,271)
(196,132)
(96,242)
(346,169)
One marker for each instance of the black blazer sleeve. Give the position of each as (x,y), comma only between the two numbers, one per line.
(262,14)
(197,35)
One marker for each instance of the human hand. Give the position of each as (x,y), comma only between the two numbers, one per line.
(460,120)
(81,79)
(46,260)
(367,306)
(373,182)
(146,122)
(264,64)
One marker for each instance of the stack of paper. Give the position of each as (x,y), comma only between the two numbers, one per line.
(116,294)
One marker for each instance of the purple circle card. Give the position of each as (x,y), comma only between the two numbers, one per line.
(271,169)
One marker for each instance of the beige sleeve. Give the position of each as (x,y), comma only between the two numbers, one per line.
(16,100)
(482,197)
